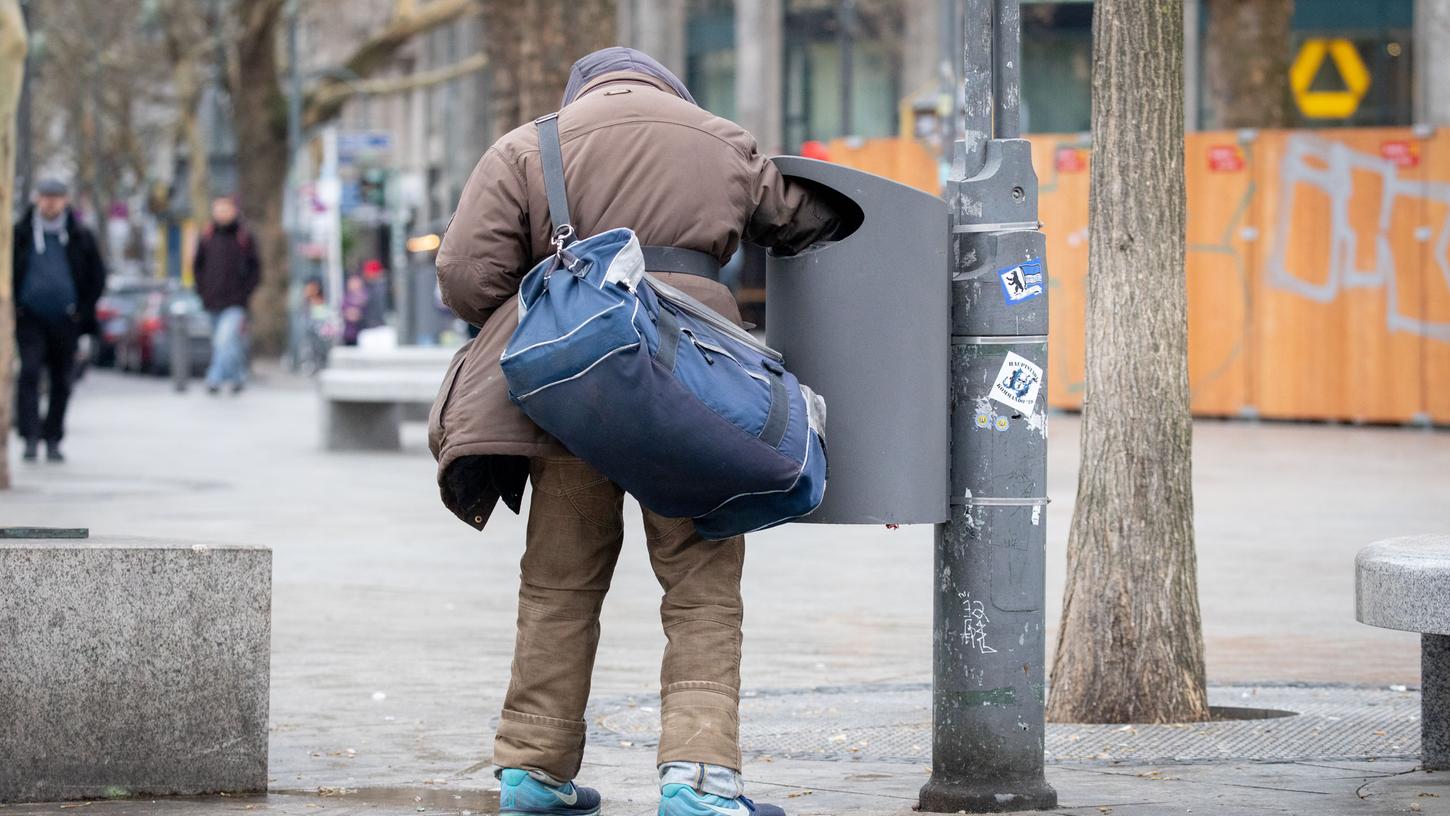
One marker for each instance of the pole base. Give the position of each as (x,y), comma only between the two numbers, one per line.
(978,797)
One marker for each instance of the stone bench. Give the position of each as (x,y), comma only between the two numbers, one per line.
(132,667)
(406,358)
(367,393)
(1404,583)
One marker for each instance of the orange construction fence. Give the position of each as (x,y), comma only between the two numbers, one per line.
(1318,268)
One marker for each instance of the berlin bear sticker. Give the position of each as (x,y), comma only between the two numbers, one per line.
(1022,282)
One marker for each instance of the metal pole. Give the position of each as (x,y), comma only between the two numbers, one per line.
(988,649)
(290,217)
(402,270)
(948,46)
(977,88)
(98,171)
(178,335)
(1007,68)
(24,166)
(846,39)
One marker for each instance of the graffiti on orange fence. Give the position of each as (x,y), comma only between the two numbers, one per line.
(1329,167)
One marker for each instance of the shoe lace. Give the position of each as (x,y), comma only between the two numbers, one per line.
(749,805)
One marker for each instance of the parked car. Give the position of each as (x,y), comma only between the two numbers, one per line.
(172,314)
(117,310)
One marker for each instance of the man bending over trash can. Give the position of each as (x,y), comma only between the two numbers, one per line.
(639,153)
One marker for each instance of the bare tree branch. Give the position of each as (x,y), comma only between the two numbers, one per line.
(326,101)
(335,95)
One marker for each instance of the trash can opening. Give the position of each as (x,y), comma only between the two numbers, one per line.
(845,208)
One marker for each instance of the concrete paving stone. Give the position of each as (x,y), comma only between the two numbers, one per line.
(1415,792)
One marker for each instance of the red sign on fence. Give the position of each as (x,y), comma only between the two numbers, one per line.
(1071,160)
(1402,152)
(1225,158)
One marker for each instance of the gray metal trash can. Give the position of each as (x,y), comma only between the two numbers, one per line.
(864,320)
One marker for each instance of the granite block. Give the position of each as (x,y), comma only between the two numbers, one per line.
(132,667)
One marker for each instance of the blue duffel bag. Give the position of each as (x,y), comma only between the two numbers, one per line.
(670,400)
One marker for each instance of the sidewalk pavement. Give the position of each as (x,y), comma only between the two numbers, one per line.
(393,621)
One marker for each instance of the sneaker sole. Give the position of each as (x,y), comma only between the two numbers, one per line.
(594,812)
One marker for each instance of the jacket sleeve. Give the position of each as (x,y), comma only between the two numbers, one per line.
(95,274)
(251,268)
(17,258)
(789,215)
(198,265)
(485,251)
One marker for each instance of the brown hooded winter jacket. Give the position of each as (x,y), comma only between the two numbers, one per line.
(635,155)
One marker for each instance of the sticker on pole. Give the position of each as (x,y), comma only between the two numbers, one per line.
(1017,384)
(1022,282)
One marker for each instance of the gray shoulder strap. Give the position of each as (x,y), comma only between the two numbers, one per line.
(551,157)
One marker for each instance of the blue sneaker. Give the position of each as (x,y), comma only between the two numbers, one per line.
(522,795)
(683,800)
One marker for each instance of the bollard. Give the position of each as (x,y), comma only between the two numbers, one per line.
(988,649)
(178,334)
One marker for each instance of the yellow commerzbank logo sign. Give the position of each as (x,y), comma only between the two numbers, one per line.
(1328,104)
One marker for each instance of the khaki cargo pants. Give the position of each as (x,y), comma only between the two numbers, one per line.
(575,532)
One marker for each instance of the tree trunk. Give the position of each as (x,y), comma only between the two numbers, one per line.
(12,68)
(1130,647)
(1246,63)
(185,43)
(531,46)
(198,175)
(260,111)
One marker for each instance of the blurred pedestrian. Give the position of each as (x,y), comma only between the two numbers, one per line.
(640,153)
(376,282)
(320,329)
(227,271)
(354,309)
(58,277)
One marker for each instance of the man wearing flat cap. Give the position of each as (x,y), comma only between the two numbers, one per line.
(58,277)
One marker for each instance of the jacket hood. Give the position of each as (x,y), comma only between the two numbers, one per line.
(31,213)
(619,60)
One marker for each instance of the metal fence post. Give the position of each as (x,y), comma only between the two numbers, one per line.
(988,650)
(178,334)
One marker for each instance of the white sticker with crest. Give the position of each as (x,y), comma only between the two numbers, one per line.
(1017,384)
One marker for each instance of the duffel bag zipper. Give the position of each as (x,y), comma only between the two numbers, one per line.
(686,304)
(707,348)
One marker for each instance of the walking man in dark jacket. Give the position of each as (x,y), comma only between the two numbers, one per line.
(58,277)
(227,271)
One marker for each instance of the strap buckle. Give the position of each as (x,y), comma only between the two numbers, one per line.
(563,236)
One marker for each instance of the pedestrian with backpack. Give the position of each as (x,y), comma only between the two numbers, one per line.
(58,275)
(637,152)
